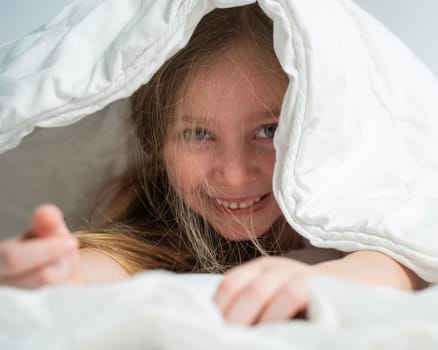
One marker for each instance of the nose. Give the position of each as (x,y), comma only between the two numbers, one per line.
(235,166)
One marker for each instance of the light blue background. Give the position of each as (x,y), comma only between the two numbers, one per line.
(19,17)
(414,21)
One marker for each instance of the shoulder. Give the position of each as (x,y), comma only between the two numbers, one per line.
(97,267)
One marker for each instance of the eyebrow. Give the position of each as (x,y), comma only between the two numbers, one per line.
(193,119)
(257,116)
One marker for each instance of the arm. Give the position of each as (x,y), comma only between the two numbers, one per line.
(373,269)
(276,288)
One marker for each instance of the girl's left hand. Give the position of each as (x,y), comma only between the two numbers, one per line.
(264,290)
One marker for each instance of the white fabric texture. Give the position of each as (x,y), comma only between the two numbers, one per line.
(357,152)
(157,310)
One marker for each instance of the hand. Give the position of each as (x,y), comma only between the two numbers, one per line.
(46,254)
(276,288)
(264,290)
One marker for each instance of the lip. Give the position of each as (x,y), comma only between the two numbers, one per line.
(266,198)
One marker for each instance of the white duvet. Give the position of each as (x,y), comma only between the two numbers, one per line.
(158,310)
(357,168)
(357,145)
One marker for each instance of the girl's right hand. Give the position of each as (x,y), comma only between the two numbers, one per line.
(46,254)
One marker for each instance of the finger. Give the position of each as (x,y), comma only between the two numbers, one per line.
(18,257)
(48,220)
(51,274)
(233,282)
(247,306)
(289,301)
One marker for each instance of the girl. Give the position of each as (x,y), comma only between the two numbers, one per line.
(200,197)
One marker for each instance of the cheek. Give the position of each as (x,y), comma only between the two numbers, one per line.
(185,172)
(266,162)
(271,162)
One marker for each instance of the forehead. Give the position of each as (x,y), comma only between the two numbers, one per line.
(238,75)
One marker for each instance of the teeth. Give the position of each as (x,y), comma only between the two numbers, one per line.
(235,205)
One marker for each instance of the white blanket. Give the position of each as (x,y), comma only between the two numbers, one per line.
(357,169)
(159,310)
(357,146)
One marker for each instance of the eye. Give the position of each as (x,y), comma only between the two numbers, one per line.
(196,134)
(267,131)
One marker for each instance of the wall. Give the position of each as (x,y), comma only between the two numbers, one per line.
(414,21)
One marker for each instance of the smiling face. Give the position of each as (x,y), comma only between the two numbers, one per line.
(219,152)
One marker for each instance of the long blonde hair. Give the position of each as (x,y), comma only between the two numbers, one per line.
(151,227)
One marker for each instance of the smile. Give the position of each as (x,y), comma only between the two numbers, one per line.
(244,206)
(237,205)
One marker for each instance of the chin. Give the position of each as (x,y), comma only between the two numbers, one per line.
(241,234)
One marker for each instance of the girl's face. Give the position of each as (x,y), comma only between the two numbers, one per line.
(219,151)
